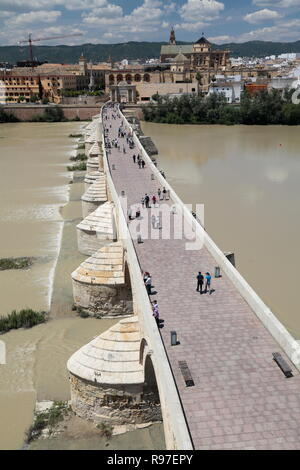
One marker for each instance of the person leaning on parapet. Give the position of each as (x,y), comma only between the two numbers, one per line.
(148,283)
(200,281)
(155,311)
(164,191)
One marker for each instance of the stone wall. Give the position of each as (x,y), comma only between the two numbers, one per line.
(115,404)
(103,300)
(26,113)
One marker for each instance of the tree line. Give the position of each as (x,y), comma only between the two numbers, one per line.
(260,108)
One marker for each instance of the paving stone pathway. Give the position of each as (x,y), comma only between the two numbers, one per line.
(241,399)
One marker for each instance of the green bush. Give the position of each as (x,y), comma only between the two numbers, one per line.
(25,318)
(79,167)
(106,430)
(15,263)
(80,157)
(47,419)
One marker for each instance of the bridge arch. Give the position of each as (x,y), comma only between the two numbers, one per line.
(128,78)
(119,77)
(137,77)
(146,77)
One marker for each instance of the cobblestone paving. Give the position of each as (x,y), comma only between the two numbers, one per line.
(241,399)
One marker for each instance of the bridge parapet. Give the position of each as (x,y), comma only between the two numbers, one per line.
(176,431)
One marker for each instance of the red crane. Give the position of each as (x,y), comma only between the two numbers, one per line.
(30,41)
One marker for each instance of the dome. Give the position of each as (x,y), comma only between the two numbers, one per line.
(111,358)
(100,221)
(105,267)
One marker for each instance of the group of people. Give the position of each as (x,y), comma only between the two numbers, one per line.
(141,163)
(201,280)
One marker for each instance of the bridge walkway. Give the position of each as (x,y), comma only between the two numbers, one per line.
(241,399)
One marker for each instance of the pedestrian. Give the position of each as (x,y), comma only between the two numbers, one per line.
(153,200)
(137,213)
(159,192)
(124,151)
(140,164)
(147,199)
(148,283)
(155,311)
(153,221)
(208,283)
(200,280)
(143,202)
(146,274)
(130,214)
(133,158)
(164,191)
(143,163)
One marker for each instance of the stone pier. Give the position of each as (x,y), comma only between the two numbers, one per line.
(91,178)
(101,284)
(108,382)
(95,195)
(96,228)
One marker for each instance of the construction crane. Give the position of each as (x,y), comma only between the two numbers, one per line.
(30,41)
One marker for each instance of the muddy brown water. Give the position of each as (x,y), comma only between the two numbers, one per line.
(248,178)
(39,211)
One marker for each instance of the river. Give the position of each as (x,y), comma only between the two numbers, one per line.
(39,211)
(248,180)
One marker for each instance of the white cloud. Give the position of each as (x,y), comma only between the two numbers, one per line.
(33,17)
(221,39)
(261,16)
(277,3)
(282,31)
(191,26)
(195,10)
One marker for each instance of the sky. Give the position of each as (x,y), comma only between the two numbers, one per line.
(113,21)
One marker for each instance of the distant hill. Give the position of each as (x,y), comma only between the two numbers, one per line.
(134,50)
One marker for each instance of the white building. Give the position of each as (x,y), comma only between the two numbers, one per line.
(231,87)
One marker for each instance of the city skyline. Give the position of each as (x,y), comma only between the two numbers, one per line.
(113,21)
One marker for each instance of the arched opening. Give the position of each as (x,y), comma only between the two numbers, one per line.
(147,77)
(111,79)
(137,77)
(128,78)
(119,77)
(150,391)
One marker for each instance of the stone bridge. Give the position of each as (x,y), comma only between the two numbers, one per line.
(218,386)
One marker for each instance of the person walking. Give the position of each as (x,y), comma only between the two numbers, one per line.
(140,164)
(200,281)
(133,158)
(153,221)
(208,283)
(143,164)
(153,200)
(143,202)
(148,284)
(159,192)
(147,199)
(164,191)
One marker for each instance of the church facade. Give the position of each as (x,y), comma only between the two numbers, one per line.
(200,54)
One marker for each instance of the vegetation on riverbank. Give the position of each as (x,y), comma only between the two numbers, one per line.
(76,135)
(80,157)
(79,167)
(25,318)
(15,263)
(47,420)
(261,108)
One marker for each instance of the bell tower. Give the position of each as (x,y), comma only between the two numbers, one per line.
(172,40)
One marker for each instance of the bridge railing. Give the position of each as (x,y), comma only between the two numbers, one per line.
(175,426)
(262,311)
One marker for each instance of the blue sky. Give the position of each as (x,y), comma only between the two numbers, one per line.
(111,21)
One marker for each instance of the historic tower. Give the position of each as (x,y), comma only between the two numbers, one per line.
(172,37)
